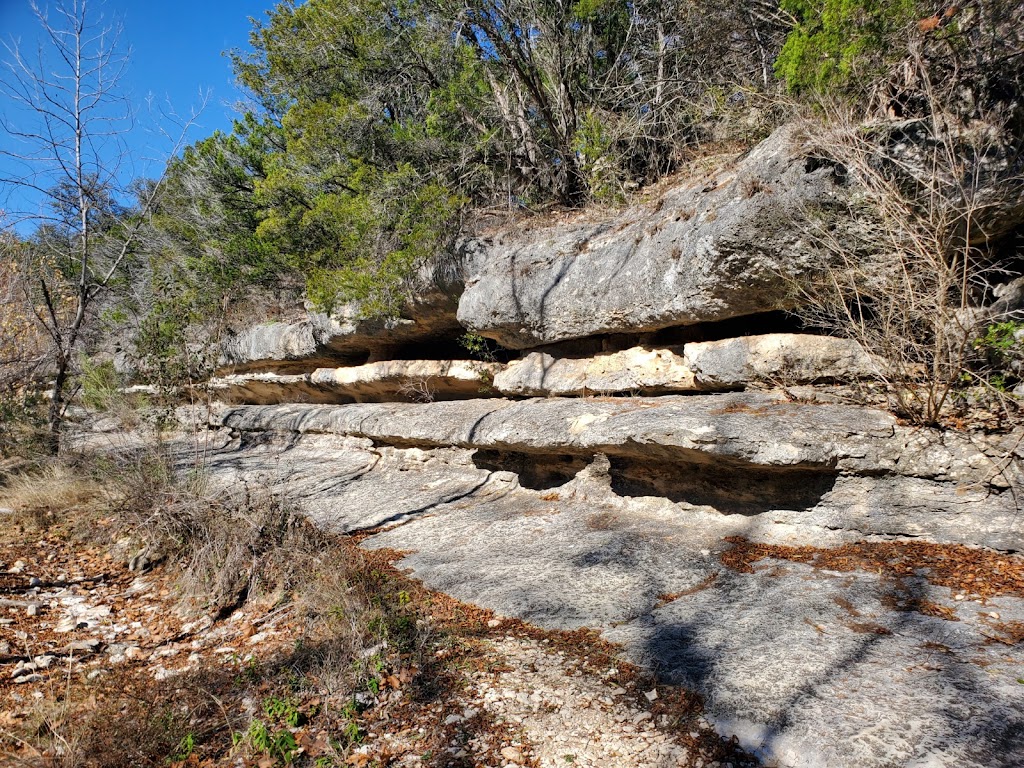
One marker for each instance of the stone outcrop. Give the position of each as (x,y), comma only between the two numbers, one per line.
(374,382)
(647,371)
(713,248)
(345,336)
(716,248)
(270,388)
(997,196)
(789,358)
(733,432)
(702,366)
(805,666)
(619,513)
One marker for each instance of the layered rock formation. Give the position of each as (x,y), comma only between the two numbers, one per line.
(346,336)
(867,472)
(576,508)
(710,249)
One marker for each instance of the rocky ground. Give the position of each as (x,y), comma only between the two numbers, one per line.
(461,614)
(841,590)
(103,665)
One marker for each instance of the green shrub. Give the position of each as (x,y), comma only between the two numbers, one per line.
(100,383)
(1002,347)
(837,45)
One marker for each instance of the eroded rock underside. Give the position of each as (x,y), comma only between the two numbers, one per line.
(521,484)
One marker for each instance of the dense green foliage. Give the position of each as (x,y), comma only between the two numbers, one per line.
(840,44)
(380,125)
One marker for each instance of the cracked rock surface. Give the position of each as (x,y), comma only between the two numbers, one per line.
(761,429)
(513,507)
(715,248)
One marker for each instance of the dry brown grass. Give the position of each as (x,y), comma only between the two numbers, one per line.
(228,543)
(915,256)
(40,499)
(346,625)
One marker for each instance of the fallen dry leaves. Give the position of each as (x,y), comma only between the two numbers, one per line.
(974,572)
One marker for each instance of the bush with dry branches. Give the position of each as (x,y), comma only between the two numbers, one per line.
(230,542)
(913,256)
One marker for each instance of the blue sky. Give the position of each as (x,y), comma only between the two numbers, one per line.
(175,54)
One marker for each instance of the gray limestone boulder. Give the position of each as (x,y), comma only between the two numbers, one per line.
(713,248)
(735,430)
(638,369)
(786,358)
(346,336)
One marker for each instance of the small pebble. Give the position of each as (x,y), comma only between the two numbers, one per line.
(512,754)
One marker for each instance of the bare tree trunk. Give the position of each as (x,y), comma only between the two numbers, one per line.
(55,414)
(80,115)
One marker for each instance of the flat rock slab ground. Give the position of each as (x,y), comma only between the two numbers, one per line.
(831,663)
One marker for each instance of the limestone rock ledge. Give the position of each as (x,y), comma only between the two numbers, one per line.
(702,366)
(385,380)
(346,336)
(269,388)
(414,379)
(759,429)
(707,250)
(832,466)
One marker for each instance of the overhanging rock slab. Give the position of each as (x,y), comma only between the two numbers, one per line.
(715,248)
(750,428)
(409,380)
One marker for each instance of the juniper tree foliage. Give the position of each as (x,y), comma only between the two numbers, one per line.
(378,129)
(839,45)
(376,126)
